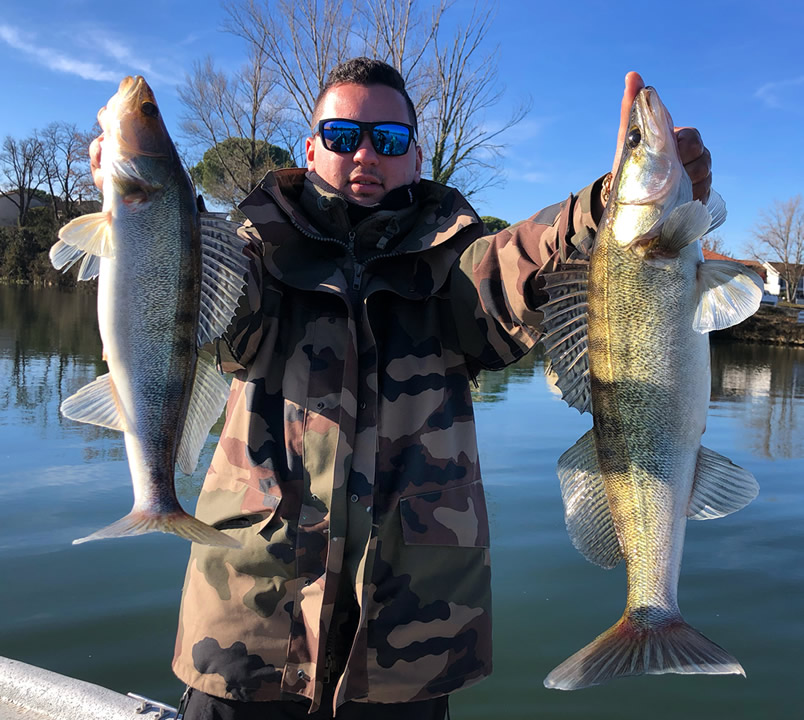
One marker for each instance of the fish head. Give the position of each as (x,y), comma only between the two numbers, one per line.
(650,180)
(137,149)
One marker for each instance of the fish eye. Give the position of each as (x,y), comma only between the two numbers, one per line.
(634,137)
(150,109)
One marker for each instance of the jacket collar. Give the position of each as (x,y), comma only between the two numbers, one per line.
(307,259)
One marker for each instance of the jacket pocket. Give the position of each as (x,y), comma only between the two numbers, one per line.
(453,516)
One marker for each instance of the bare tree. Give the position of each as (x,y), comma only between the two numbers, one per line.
(398,33)
(452,81)
(465,151)
(240,107)
(779,235)
(713,242)
(301,41)
(21,168)
(66,168)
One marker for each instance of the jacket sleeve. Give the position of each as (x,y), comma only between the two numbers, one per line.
(238,345)
(496,287)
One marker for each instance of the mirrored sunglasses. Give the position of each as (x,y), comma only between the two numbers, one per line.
(343,136)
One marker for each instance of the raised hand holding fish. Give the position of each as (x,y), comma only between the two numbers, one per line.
(638,359)
(169,280)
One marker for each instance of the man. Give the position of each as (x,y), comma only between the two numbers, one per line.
(347,467)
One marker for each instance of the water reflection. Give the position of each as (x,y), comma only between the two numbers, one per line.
(760,385)
(49,348)
(756,384)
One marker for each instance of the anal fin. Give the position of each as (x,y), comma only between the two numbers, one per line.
(586,505)
(720,488)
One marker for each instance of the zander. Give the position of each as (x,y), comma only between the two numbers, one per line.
(169,280)
(628,339)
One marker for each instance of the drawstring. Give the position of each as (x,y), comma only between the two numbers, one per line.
(185,698)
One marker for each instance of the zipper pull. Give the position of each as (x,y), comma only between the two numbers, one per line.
(357,279)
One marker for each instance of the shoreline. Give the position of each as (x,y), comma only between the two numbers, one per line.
(768,326)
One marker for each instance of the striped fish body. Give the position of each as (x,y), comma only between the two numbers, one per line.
(650,383)
(148,308)
(627,339)
(169,279)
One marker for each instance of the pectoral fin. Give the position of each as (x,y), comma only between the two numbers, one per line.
(720,488)
(586,506)
(87,236)
(207,401)
(728,294)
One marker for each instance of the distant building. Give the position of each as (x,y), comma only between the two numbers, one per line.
(798,295)
(768,273)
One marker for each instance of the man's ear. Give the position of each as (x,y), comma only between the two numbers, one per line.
(309,151)
(418,174)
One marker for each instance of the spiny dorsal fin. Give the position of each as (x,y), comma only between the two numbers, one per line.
(728,294)
(586,506)
(720,488)
(207,401)
(717,209)
(224,267)
(87,236)
(566,333)
(96,404)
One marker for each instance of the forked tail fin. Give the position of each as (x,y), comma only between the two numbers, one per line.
(629,648)
(138,522)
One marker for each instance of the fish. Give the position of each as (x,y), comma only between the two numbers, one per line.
(169,281)
(627,334)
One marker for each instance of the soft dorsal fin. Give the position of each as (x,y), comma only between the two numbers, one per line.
(728,294)
(87,236)
(207,401)
(720,488)
(586,506)
(224,267)
(566,334)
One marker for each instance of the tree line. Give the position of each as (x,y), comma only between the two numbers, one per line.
(239,123)
(45,181)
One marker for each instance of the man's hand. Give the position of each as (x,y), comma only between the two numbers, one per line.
(95,161)
(694,155)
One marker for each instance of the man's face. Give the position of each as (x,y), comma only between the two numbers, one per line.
(364,176)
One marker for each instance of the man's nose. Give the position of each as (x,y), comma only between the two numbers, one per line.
(365,153)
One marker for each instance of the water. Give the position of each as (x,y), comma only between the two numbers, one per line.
(106,611)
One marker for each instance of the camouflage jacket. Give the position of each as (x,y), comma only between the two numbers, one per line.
(347,466)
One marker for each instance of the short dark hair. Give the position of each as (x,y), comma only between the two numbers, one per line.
(365,71)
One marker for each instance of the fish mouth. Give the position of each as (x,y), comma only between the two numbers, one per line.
(132,116)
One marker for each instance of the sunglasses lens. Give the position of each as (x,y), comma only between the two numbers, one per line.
(343,136)
(340,136)
(390,139)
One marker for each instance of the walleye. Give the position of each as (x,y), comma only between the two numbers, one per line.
(627,336)
(169,280)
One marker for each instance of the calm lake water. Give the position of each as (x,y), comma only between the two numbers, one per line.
(106,611)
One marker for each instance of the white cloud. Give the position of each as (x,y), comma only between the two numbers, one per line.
(54,59)
(781,94)
(114,58)
(534,177)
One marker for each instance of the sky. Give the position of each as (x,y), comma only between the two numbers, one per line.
(734,70)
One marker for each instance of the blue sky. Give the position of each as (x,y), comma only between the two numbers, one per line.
(735,70)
